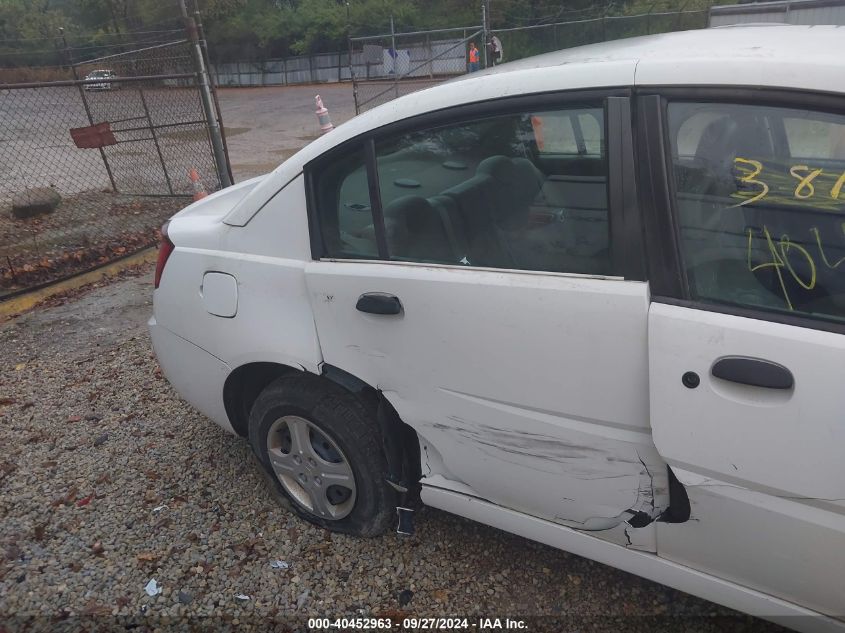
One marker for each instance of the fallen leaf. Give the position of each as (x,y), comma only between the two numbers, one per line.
(13,552)
(20,366)
(97,549)
(85,500)
(148,557)
(318,547)
(74,418)
(39,531)
(66,499)
(5,401)
(441,595)
(92,607)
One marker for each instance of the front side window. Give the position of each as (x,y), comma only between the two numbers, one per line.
(760,206)
(519,191)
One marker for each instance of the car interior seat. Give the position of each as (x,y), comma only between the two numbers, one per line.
(714,227)
(415,231)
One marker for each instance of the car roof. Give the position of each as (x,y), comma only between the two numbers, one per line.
(777,56)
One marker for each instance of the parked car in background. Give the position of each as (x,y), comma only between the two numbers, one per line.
(595,298)
(105,80)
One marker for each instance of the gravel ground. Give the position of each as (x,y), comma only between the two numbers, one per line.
(108,480)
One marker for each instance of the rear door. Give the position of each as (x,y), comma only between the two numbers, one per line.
(747,335)
(478,274)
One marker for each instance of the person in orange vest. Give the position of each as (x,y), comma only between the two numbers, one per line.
(473,57)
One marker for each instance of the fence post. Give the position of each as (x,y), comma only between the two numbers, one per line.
(485,29)
(352,76)
(213,82)
(604,26)
(681,13)
(395,58)
(429,54)
(220,159)
(155,139)
(86,106)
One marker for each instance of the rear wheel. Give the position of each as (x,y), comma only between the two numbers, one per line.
(320,446)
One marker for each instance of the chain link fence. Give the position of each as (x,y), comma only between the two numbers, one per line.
(91,168)
(387,66)
(525,41)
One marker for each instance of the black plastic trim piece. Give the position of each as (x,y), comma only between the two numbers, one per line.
(748,95)
(753,371)
(625,227)
(343,378)
(315,236)
(664,265)
(375,198)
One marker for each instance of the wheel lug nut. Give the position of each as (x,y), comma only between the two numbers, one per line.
(318,481)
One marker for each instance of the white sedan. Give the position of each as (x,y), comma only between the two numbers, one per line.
(595,298)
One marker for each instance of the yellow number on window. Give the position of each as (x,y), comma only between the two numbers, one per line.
(752,169)
(804,181)
(834,192)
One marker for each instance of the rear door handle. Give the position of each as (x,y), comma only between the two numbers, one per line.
(379,303)
(753,371)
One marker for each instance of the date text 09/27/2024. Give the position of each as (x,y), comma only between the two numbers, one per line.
(416,624)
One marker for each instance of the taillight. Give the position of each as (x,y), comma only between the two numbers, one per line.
(165,248)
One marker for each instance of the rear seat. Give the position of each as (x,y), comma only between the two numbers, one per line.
(495,200)
(415,231)
(473,222)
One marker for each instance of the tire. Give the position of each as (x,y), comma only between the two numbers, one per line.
(299,427)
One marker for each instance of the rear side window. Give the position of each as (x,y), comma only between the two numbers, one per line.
(523,191)
(760,206)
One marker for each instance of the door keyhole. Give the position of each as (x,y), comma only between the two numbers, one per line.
(690,380)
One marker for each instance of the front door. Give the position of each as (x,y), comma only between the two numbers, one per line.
(470,273)
(747,359)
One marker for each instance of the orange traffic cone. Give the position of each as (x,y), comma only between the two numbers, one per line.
(323,119)
(199,189)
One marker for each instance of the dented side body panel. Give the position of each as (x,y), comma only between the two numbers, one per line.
(528,390)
